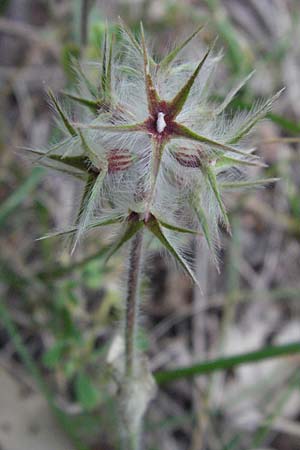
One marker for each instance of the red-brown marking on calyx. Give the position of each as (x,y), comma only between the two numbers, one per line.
(187,159)
(118,159)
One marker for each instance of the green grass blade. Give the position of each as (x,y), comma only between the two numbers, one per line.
(229,362)
(284,396)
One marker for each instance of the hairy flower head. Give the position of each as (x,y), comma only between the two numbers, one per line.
(152,148)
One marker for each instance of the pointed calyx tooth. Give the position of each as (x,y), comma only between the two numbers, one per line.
(160,123)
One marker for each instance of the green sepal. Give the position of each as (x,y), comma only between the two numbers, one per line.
(154,227)
(91,104)
(132,227)
(133,40)
(176,228)
(182,131)
(152,95)
(253,119)
(92,155)
(76,162)
(90,87)
(62,115)
(201,216)
(114,128)
(177,103)
(166,61)
(212,179)
(54,148)
(87,206)
(248,184)
(105,91)
(93,225)
(67,171)
(229,161)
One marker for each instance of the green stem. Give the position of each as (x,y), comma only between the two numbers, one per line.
(132,303)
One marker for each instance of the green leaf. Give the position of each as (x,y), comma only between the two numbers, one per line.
(212,179)
(153,226)
(177,103)
(248,184)
(182,131)
(166,61)
(62,115)
(229,362)
(86,392)
(131,229)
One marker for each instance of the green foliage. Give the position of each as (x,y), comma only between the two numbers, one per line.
(86,392)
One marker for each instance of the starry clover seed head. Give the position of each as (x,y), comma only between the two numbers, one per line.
(152,149)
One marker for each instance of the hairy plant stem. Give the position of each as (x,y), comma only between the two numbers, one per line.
(132,303)
(132,411)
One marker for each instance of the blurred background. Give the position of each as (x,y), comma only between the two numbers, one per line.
(58,314)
